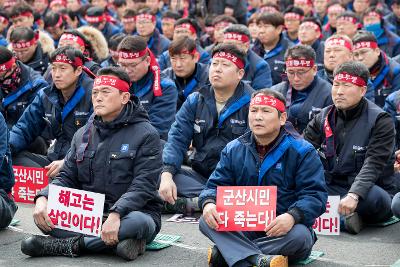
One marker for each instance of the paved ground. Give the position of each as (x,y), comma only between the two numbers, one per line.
(373,247)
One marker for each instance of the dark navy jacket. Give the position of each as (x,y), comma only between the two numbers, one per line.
(197,122)
(286,35)
(158,43)
(302,106)
(14,104)
(393,20)
(257,72)
(109,62)
(392,106)
(292,165)
(60,120)
(187,86)
(389,42)
(274,57)
(319,47)
(109,30)
(40,60)
(161,109)
(165,62)
(7,179)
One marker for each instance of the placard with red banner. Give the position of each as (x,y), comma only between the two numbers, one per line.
(329,222)
(246,208)
(28,182)
(76,210)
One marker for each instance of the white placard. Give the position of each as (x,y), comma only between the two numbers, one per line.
(329,222)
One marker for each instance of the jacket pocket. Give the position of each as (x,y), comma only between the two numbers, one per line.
(359,158)
(85,167)
(238,130)
(121,165)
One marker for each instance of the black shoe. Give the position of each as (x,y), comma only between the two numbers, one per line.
(178,207)
(130,249)
(215,258)
(38,245)
(272,261)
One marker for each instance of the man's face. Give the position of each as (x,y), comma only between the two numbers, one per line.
(57,7)
(360,6)
(346,95)
(100,3)
(74,5)
(67,42)
(25,54)
(292,25)
(55,32)
(308,34)
(64,75)
(320,6)
(219,32)
(167,26)
(100,26)
(129,25)
(264,121)
(306,7)
(184,64)
(345,27)
(145,27)
(368,56)
(334,55)
(22,21)
(301,77)
(268,34)
(333,12)
(153,5)
(40,5)
(396,10)
(108,101)
(183,32)
(136,68)
(253,28)
(369,20)
(223,73)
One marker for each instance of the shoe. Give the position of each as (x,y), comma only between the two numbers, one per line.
(214,258)
(38,245)
(272,261)
(130,249)
(178,207)
(353,223)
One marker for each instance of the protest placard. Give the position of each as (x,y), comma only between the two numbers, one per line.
(76,210)
(329,222)
(28,182)
(246,208)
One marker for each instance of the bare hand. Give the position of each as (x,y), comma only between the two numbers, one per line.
(211,216)
(347,205)
(110,229)
(54,168)
(40,216)
(280,226)
(167,190)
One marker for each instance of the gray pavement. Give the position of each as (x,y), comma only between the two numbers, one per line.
(373,247)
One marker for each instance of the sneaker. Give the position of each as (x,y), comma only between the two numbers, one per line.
(214,258)
(272,261)
(38,245)
(353,223)
(130,249)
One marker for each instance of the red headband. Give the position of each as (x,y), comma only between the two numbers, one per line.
(58,2)
(61,58)
(338,41)
(303,2)
(268,9)
(336,8)
(23,14)
(292,15)
(266,100)
(348,78)
(187,52)
(223,24)
(112,81)
(310,24)
(373,14)
(128,20)
(187,26)
(299,63)
(172,20)
(95,19)
(232,58)
(59,22)
(27,43)
(154,67)
(73,38)
(7,65)
(365,44)
(146,17)
(236,36)
(3,20)
(348,19)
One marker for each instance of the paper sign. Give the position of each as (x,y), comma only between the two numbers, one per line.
(76,210)
(246,208)
(28,182)
(329,222)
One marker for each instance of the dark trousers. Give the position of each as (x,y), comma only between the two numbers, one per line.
(235,247)
(189,183)
(375,208)
(135,225)
(396,205)
(7,209)
(28,159)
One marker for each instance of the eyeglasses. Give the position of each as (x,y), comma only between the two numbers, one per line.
(298,73)
(131,65)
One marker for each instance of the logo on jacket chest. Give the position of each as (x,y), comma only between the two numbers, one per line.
(124,147)
(238,122)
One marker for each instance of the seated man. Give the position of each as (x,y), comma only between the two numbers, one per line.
(257,71)
(7,180)
(189,75)
(60,109)
(306,93)
(157,93)
(293,17)
(128,180)
(384,71)
(310,34)
(252,160)
(347,23)
(96,17)
(207,120)
(355,141)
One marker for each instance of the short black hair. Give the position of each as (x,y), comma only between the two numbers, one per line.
(95,11)
(132,43)
(173,14)
(119,3)
(71,14)
(21,34)
(239,28)
(353,68)
(230,48)
(190,21)
(177,46)
(348,14)
(274,19)
(364,36)
(52,18)
(301,51)
(129,13)
(294,9)
(115,40)
(18,9)
(224,18)
(314,20)
(144,10)
(5,54)
(115,71)
(273,93)
(4,14)
(70,52)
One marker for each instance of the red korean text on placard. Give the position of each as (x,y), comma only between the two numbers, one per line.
(28,182)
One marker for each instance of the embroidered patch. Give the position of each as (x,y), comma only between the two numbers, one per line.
(124,147)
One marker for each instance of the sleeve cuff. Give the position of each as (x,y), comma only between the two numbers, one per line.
(169,168)
(205,202)
(297,215)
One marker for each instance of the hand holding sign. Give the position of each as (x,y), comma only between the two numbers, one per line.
(40,216)
(280,226)
(211,216)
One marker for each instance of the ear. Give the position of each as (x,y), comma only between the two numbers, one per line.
(280,28)
(363,90)
(125,98)
(241,74)
(197,56)
(78,71)
(283,118)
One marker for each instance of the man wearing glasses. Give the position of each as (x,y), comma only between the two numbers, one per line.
(304,91)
